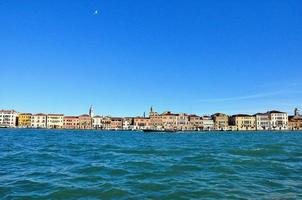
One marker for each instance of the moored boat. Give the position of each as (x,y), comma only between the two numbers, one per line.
(154,131)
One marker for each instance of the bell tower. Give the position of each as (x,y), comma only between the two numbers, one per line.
(91,112)
(297,112)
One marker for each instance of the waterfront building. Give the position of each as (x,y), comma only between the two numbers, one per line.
(142,123)
(71,122)
(55,121)
(243,122)
(116,123)
(295,121)
(221,121)
(155,120)
(97,122)
(182,122)
(39,120)
(85,122)
(195,122)
(128,123)
(207,123)
(169,120)
(263,121)
(24,120)
(8,118)
(278,120)
(106,123)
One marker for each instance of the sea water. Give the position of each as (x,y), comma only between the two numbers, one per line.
(65,164)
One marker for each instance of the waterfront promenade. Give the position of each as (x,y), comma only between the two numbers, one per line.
(167,121)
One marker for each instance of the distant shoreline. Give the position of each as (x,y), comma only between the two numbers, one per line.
(155,131)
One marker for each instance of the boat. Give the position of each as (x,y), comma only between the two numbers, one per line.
(156,131)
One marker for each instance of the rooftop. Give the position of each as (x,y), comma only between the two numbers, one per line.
(242,115)
(55,114)
(74,117)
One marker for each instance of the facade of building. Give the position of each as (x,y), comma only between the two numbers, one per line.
(155,120)
(221,121)
(116,123)
(279,120)
(263,121)
(128,123)
(142,123)
(8,118)
(207,123)
(97,122)
(295,121)
(243,122)
(55,121)
(182,122)
(24,120)
(71,122)
(272,120)
(195,122)
(39,120)
(85,122)
(106,123)
(169,120)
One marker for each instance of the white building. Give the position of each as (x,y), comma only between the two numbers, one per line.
(279,120)
(263,121)
(8,118)
(38,120)
(97,122)
(207,123)
(55,121)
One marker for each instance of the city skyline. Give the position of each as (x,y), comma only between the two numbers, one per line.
(155,121)
(186,56)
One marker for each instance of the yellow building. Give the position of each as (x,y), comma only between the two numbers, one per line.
(221,121)
(24,120)
(243,122)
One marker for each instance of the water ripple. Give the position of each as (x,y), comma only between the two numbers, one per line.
(46,164)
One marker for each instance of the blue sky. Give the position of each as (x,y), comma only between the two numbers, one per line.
(182,55)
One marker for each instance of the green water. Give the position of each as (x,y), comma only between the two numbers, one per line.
(50,164)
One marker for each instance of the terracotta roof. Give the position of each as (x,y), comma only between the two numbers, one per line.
(25,114)
(169,113)
(71,117)
(85,115)
(193,115)
(275,111)
(116,118)
(8,111)
(55,114)
(39,114)
(242,115)
(293,117)
(219,114)
(260,114)
(141,118)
